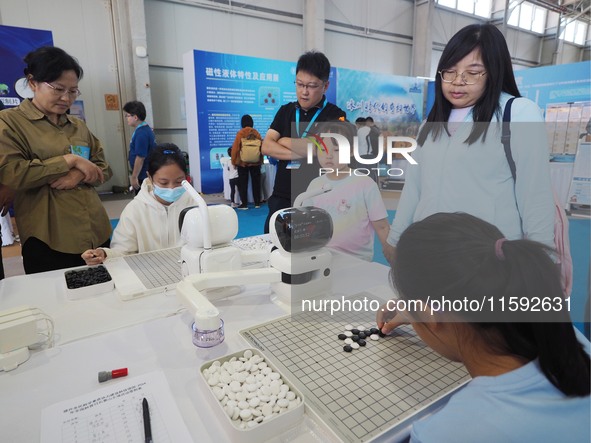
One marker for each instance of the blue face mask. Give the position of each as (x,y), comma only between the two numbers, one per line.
(169,195)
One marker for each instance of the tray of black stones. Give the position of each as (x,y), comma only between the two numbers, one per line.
(87,282)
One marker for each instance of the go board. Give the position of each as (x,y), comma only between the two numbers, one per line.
(373,391)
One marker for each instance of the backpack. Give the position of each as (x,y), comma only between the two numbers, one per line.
(250,149)
(561,238)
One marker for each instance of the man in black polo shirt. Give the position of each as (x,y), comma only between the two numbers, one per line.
(286,138)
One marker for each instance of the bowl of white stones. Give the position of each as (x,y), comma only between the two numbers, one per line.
(254,400)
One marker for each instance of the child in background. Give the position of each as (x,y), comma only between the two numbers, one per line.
(232,175)
(530,370)
(354,203)
(151,220)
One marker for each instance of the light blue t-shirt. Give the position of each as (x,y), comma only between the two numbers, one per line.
(520,406)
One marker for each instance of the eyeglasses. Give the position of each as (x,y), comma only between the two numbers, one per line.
(468,77)
(58,91)
(309,86)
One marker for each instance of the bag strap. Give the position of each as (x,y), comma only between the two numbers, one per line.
(506,137)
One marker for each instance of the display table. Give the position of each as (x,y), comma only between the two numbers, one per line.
(146,334)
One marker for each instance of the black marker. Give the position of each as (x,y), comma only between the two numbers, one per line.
(147,425)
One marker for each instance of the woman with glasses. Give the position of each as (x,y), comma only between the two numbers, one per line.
(462,164)
(53,162)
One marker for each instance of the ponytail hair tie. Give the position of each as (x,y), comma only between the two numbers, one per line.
(499,248)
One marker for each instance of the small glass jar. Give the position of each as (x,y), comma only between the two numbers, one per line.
(208,338)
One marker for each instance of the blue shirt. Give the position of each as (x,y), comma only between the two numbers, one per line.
(519,406)
(142,141)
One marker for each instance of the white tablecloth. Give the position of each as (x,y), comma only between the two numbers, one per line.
(146,334)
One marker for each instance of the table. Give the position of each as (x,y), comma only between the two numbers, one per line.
(146,334)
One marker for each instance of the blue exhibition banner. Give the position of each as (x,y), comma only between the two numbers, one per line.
(15,43)
(220,88)
(555,84)
(394,102)
(227,87)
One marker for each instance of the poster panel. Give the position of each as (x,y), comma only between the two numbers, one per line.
(15,43)
(226,87)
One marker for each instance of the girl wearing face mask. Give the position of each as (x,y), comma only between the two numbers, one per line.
(150,221)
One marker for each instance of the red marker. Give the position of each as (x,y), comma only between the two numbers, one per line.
(108,375)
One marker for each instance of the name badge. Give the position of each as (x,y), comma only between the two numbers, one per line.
(82,151)
(293,165)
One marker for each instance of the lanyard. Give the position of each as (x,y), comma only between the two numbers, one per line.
(136,128)
(318,111)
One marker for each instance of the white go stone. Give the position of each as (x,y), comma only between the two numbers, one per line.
(290,395)
(348,327)
(248,354)
(243,405)
(267,410)
(235,386)
(348,341)
(355,345)
(283,403)
(374,336)
(239,376)
(245,414)
(219,393)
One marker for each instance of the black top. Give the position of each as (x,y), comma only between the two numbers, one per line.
(288,185)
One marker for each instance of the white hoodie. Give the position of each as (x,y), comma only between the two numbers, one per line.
(148,225)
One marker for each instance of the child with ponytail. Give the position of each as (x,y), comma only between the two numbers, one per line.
(530,370)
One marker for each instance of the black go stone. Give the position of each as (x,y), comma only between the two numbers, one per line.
(381,334)
(374,331)
(361,342)
(355,338)
(355,331)
(342,336)
(362,335)
(347,348)
(368,332)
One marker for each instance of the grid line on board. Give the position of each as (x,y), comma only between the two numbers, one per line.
(157,268)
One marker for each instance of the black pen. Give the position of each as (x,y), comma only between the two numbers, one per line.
(147,425)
